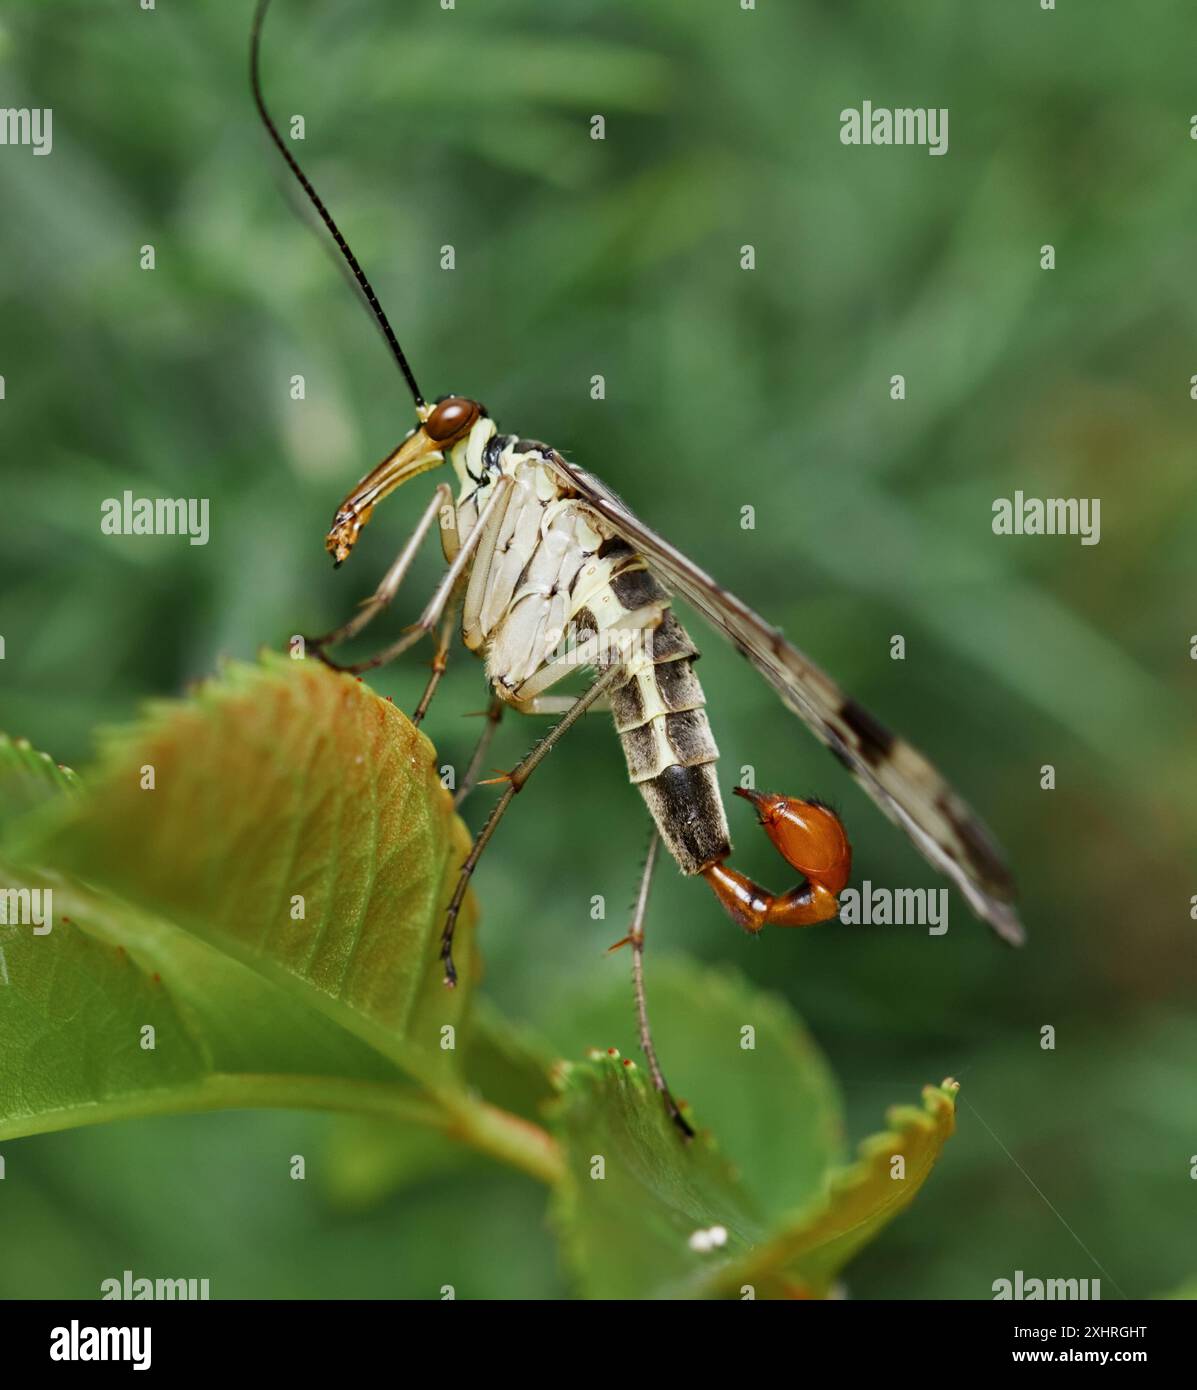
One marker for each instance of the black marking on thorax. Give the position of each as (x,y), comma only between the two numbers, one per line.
(492,454)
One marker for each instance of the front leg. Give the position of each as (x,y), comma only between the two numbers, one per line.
(435,608)
(439,509)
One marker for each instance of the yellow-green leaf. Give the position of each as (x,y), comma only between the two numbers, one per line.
(28,779)
(804,1256)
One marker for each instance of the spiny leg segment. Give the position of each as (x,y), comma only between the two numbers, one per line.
(539,704)
(515,781)
(440,659)
(635,939)
(494,713)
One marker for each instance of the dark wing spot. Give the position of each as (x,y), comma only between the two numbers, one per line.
(876,741)
(983,854)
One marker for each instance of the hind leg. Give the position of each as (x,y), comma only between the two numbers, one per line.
(635,939)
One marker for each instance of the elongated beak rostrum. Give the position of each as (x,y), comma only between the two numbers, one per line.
(441,426)
(415,455)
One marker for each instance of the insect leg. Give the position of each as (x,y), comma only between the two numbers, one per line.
(635,939)
(436,604)
(538,704)
(515,781)
(440,659)
(494,713)
(810,837)
(389,586)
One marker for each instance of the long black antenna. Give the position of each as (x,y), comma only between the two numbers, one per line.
(255,82)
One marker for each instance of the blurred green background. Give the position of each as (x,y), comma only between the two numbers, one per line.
(724,388)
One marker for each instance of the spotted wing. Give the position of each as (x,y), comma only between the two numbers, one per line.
(899,779)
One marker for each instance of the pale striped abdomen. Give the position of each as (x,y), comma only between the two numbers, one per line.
(660,716)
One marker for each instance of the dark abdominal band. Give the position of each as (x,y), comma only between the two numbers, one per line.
(662,724)
(685,803)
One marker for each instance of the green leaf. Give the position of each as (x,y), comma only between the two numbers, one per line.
(234,1020)
(742,1058)
(75,1006)
(804,1256)
(222,1035)
(279,783)
(775,1110)
(636,1199)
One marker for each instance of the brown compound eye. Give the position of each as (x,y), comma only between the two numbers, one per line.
(451,418)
